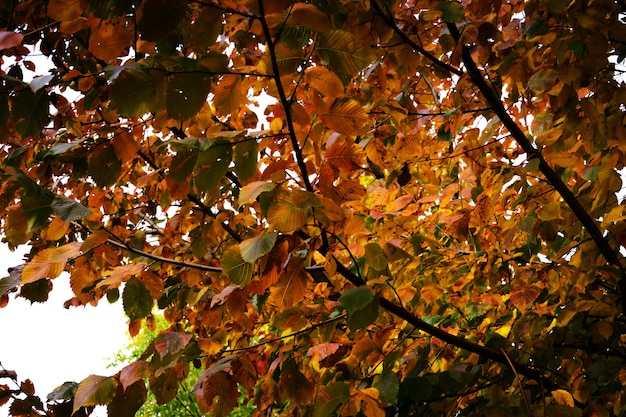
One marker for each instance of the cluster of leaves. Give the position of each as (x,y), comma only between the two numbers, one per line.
(351,207)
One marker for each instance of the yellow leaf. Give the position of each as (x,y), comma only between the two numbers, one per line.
(49,263)
(563,397)
(284,214)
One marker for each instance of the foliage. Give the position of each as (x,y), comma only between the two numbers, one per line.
(345,207)
(185,402)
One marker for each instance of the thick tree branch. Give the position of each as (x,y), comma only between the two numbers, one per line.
(551,176)
(453,340)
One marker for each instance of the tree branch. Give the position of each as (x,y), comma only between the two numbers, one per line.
(271,48)
(551,176)
(392,24)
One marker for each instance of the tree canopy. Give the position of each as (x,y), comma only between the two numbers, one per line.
(353,207)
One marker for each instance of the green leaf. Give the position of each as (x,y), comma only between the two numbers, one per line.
(158,17)
(420,389)
(136,299)
(186,94)
(363,317)
(138,91)
(356,298)
(94,390)
(388,386)
(69,210)
(104,165)
(183,164)
(252,249)
(237,270)
(36,201)
(536,28)
(63,392)
(376,257)
(246,156)
(212,165)
(343,52)
(30,109)
(543,80)
(451,11)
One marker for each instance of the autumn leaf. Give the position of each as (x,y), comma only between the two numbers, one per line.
(563,397)
(50,262)
(10,39)
(236,268)
(345,116)
(94,390)
(252,249)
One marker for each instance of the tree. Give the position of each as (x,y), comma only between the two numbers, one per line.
(423,218)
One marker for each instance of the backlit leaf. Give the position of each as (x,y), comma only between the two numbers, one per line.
(285,215)
(237,270)
(253,248)
(69,210)
(345,116)
(343,52)
(523,295)
(94,390)
(324,81)
(49,263)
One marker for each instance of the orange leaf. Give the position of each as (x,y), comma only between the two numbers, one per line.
(523,295)
(345,116)
(345,155)
(49,263)
(114,277)
(109,38)
(324,81)
(563,397)
(62,10)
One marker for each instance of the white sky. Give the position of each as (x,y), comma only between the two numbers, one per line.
(50,345)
